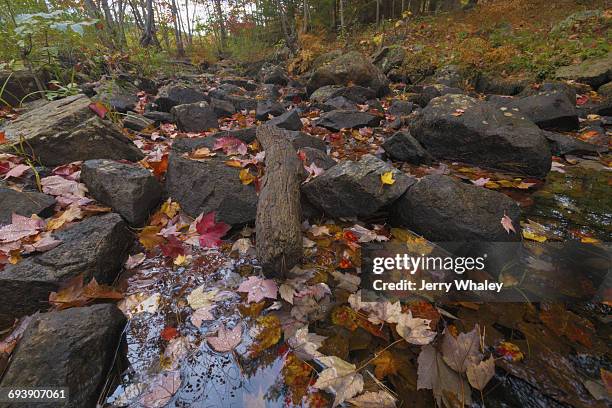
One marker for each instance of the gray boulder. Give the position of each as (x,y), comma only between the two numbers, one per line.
(172,95)
(458,127)
(268,107)
(338,102)
(443,209)
(23,203)
(403,147)
(67,130)
(222,108)
(136,122)
(95,247)
(354,93)
(389,57)
(210,185)
(241,82)
(195,117)
(129,190)
(273,74)
(594,71)
(561,145)
(19,84)
(119,95)
(73,348)
(401,108)
(548,110)
(318,157)
(353,68)
(289,120)
(159,117)
(354,189)
(347,119)
(301,139)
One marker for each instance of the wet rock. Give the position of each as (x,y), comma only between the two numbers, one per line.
(273,74)
(67,130)
(129,190)
(403,147)
(159,117)
(347,119)
(458,127)
(389,57)
(549,110)
(195,117)
(352,189)
(23,203)
(561,145)
(400,108)
(267,108)
(316,156)
(172,95)
(119,95)
(351,67)
(95,247)
(289,120)
(211,185)
(594,71)
(222,108)
(73,348)
(136,122)
(356,94)
(443,209)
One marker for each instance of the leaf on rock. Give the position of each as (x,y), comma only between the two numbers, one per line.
(480,374)
(387,178)
(99,109)
(17,171)
(506,222)
(94,290)
(380,399)
(461,351)
(70,295)
(8,344)
(434,374)
(340,378)
(305,345)
(135,260)
(258,289)
(210,231)
(72,213)
(20,227)
(59,186)
(230,146)
(509,351)
(414,330)
(246,177)
(169,333)
(226,340)
(173,248)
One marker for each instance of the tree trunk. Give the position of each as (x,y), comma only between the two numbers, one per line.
(341,10)
(180,50)
(279,213)
(148,35)
(221,22)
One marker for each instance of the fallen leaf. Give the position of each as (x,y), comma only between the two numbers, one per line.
(210,231)
(173,248)
(265,334)
(17,171)
(339,378)
(387,178)
(258,289)
(461,351)
(7,345)
(201,315)
(94,290)
(246,177)
(163,387)
(480,374)
(226,340)
(59,186)
(506,222)
(198,299)
(380,399)
(305,345)
(346,281)
(230,146)
(2,137)
(533,236)
(135,260)
(414,330)
(69,295)
(509,351)
(72,213)
(606,378)
(481,181)
(385,364)
(20,227)
(169,333)
(433,374)
(149,237)
(99,109)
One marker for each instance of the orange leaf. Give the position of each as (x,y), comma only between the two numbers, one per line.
(160,167)
(148,237)
(2,137)
(99,109)
(70,295)
(94,290)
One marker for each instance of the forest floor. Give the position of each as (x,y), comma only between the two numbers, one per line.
(129,245)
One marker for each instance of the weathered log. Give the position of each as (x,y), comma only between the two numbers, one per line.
(279,213)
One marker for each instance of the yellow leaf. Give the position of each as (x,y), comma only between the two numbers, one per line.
(589,240)
(377,39)
(148,237)
(246,177)
(233,163)
(170,208)
(505,183)
(14,257)
(533,236)
(491,184)
(268,334)
(180,260)
(387,178)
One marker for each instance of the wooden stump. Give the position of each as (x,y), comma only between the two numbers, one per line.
(279,213)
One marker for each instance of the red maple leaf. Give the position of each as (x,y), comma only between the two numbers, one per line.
(230,145)
(99,109)
(210,231)
(169,333)
(173,248)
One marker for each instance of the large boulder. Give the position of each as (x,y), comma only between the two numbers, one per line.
(23,203)
(95,247)
(289,120)
(561,144)
(73,349)
(594,71)
(273,74)
(128,189)
(353,189)
(265,108)
(195,117)
(389,57)
(354,93)
(347,119)
(349,68)
(67,130)
(119,95)
(222,108)
(210,185)
(172,95)
(403,147)
(458,127)
(549,110)
(443,209)
(400,108)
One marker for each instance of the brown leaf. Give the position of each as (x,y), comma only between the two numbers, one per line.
(480,374)
(148,237)
(226,339)
(434,374)
(385,364)
(565,323)
(459,352)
